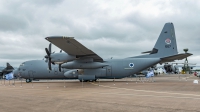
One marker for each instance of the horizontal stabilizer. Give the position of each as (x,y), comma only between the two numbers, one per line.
(146,52)
(175,57)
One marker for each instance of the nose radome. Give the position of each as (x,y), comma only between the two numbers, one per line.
(15,73)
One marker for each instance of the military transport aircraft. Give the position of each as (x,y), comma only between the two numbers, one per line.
(173,68)
(81,63)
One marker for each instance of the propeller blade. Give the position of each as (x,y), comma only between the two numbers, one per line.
(47,51)
(49,63)
(60,67)
(48,56)
(50,47)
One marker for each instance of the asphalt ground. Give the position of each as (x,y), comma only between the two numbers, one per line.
(164,93)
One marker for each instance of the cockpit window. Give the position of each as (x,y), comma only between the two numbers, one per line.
(22,64)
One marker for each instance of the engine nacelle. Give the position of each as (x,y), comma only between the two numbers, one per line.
(62,57)
(71,74)
(77,65)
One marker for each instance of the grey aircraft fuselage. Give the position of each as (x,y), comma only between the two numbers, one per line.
(38,69)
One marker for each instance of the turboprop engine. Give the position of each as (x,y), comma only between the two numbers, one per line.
(79,65)
(58,58)
(61,58)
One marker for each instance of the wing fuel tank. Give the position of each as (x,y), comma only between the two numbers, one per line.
(76,65)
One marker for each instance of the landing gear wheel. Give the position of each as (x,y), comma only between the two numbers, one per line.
(28,80)
(93,80)
(88,80)
(83,80)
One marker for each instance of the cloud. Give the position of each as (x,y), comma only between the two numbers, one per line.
(116,29)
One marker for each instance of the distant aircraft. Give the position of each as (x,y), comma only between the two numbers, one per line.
(81,63)
(6,70)
(173,68)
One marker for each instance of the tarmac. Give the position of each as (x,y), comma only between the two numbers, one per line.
(163,93)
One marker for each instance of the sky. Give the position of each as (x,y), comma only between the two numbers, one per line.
(118,28)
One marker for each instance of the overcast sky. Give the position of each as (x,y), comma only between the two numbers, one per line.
(118,28)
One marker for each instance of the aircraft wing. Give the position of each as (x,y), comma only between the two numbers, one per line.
(73,47)
(175,57)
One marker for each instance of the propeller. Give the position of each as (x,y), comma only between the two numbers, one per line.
(59,67)
(48,56)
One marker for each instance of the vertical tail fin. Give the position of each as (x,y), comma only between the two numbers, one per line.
(8,66)
(166,43)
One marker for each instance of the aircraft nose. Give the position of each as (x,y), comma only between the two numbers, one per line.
(15,73)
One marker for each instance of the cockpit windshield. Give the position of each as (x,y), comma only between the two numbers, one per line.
(22,64)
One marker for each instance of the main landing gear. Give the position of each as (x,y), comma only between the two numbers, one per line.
(88,80)
(28,80)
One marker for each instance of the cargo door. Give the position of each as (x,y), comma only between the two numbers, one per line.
(109,71)
(31,75)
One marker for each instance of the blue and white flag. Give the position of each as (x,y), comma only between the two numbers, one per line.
(9,76)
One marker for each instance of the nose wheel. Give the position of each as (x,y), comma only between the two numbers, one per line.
(28,80)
